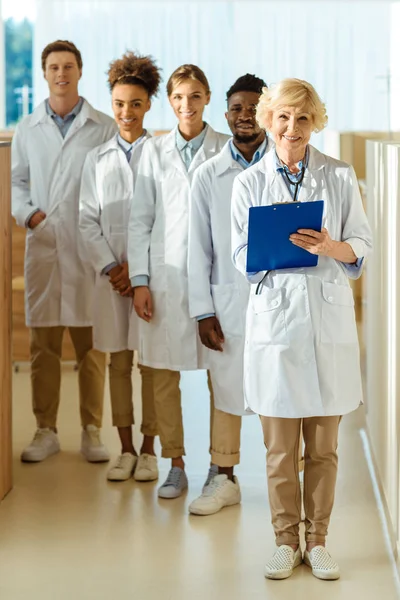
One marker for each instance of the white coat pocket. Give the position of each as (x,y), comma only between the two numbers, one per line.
(227,303)
(338,322)
(42,236)
(267,316)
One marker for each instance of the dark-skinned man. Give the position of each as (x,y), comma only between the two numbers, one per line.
(218,296)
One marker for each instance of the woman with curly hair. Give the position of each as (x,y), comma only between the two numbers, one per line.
(107,189)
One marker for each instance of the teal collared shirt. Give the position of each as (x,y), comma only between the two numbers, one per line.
(188,149)
(258,154)
(64,123)
(127,147)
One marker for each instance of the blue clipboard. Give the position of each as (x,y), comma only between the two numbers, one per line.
(269,247)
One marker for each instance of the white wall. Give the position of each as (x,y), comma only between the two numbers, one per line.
(382,322)
(339,47)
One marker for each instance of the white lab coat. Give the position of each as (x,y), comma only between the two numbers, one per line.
(108,183)
(301,349)
(158,247)
(215,286)
(46,174)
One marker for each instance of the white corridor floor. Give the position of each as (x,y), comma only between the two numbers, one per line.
(68,534)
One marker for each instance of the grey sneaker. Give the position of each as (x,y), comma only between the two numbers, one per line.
(174,485)
(212,472)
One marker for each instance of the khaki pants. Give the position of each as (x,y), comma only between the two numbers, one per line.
(121,391)
(225,439)
(45,348)
(168,408)
(281,437)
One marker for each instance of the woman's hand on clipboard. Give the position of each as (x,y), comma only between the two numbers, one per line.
(315,242)
(322,244)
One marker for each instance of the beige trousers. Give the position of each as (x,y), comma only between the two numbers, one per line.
(282,437)
(168,409)
(121,391)
(45,349)
(225,439)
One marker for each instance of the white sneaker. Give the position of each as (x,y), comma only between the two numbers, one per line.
(123,468)
(322,564)
(282,564)
(146,468)
(175,484)
(44,444)
(212,472)
(220,492)
(92,447)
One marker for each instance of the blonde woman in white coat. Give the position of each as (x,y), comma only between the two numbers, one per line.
(108,183)
(301,366)
(157,256)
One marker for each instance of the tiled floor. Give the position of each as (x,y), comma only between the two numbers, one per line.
(68,534)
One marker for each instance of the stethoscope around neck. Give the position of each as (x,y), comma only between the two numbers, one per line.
(297,183)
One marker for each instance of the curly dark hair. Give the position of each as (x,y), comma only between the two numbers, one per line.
(135,70)
(246,83)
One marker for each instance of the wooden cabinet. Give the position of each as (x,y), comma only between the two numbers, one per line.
(5,321)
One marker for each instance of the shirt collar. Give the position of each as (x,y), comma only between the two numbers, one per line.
(258,154)
(127,146)
(280,167)
(74,112)
(194,143)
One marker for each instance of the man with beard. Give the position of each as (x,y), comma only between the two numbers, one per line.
(218,296)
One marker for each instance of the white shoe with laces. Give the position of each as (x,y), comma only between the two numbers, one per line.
(283,562)
(92,447)
(44,444)
(322,564)
(212,472)
(220,492)
(146,468)
(123,468)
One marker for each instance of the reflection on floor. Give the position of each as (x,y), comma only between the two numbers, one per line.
(68,534)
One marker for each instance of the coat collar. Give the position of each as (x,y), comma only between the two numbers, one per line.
(316,161)
(87,112)
(225,160)
(207,150)
(113,144)
(278,190)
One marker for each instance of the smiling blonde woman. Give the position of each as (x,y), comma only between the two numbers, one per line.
(302,369)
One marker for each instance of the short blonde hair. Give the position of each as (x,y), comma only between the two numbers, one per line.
(185,72)
(291,92)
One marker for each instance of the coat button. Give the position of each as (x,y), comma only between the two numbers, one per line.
(330,299)
(302,287)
